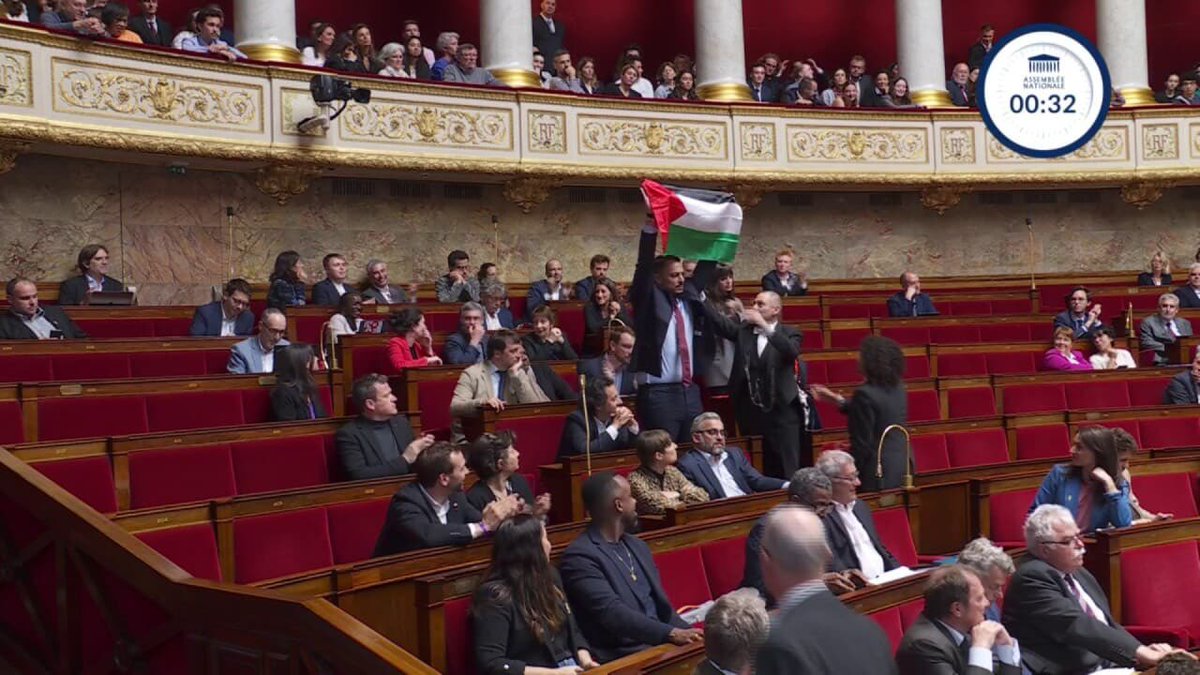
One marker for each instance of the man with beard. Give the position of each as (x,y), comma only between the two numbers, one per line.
(433,511)
(611,580)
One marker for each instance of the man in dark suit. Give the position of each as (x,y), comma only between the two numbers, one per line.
(549,34)
(432,511)
(957,85)
(150,27)
(465,347)
(611,580)
(493,295)
(720,470)
(1078,316)
(813,631)
(231,316)
(27,320)
(979,51)
(1189,294)
(616,362)
(851,529)
(92,264)
(611,424)
(598,266)
(1159,330)
(910,301)
(380,441)
(1184,388)
(550,289)
(1057,609)
(734,628)
(328,291)
(675,341)
(763,379)
(762,90)
(951,636)
(382,292)
(782,280)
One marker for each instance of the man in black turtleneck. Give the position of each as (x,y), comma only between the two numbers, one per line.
(379,442)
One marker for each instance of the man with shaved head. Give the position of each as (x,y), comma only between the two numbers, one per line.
(763,380)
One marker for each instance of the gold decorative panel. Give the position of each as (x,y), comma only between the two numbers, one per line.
(1108,145)
(1194,131)
(547,131)
(429,125)
(676,139)
(757,141)
(1160,141)
(296,105)
(16,78)
(958,145)
(162,98)
(853,144)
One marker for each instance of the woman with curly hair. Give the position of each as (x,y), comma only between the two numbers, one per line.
(877,404)
(287,282)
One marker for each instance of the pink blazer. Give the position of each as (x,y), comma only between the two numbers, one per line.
(1054,360)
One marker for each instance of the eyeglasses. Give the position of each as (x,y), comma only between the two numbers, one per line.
(713,432)
(1075,538)
(849,479)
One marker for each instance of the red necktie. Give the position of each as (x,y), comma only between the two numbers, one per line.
(685,357)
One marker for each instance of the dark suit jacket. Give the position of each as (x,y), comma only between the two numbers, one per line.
(287,405)
(1147,279)
(504,643)
(540,350)
(283,294)
(594,322)
(844,557)
(459,351)
(537,296)
(694,465)
(772,374)
(412,525)
(1056,636)
(361,457)
(900,306)
(653,312)
(206,322)
(771,282)
(976,55)
(13,328)
(323,293)
(957,95)
(1187,298)
(929,649)
(821,636)
(871,410)
(139,25)
(1064,320)
(601,592)
(574,437)
(595,368)
(399,296)
(74,291)
(553,386)
(546,42)
(480,495)
(769,92)
(1181,390)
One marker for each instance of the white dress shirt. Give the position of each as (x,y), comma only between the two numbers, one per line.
(870,563)
(672,367)
(982,658)
(268,360)
(763,334)
(643,87)
(38,323)
(492,321)
(728,484)
(442,509)
(496,386)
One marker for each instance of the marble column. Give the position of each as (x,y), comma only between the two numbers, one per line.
(720,51)
(1121,28)
(921,51)
(506,42)
(266,29)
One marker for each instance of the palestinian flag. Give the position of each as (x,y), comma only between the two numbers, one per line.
(695,224)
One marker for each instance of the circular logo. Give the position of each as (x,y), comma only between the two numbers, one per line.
(1044,91)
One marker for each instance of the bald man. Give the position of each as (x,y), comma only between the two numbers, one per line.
(762,382)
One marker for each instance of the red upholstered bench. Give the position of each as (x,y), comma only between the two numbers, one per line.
(1131,426)
(958,335)
(1030,398)
(12,426)
(814,340)
(889,621)
(801,312)
(1146,392)
(131,327)
(88,478)
(915,366)
(191,547)
(855,311)
(26,368)
(908,336)
(683,577)
(176,363)
(272,464)
(1012,363)
(180,475)
(962,365)
(818,371)
(1167,493)
(923,405)
(87,417)
(977,448)
(433,400)
(373,359)
(847,338)
(194,410)
(460,651)
(841,371)
(278,544)
(971,402)
(909,612)
(1050,441)
(94,366)
(929,453)
(1007,511)
(1096,395)
(354,527)
(896,535)
(1170,432)
(724,562)
(1148,602)
(831,418)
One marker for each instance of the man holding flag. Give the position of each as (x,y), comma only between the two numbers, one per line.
(675,340)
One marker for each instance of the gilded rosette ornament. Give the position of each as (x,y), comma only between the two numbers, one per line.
(284,181)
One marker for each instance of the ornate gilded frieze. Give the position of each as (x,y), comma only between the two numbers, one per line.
(16,78)
(427,124)
(529,191)
(1108,145)
(757,141)
(1160,142)
(958,145)
(546,132)
(675,139)
(808,144)
(162,98)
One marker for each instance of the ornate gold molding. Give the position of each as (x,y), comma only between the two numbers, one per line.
(1108,145)
(9,151)
(854,144)
(284,181)
(528,192)
(748,196)
(757,141)
(958,145)
(624,136)
(1144,193)
(271,52)
(422,124)
(546,131)
(517,77)
(1160,142)
(724,91)
(16,78)
(942,198)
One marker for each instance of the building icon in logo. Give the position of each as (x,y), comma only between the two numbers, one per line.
(1043,64)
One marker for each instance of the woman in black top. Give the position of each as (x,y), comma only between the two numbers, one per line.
(547,342)
(343,56)
(603,308)
(295,396)
(495,460)
(1159,274)
(878,403)
(521,619)
(685,87)
(624,86)
(414,59)
(287,281)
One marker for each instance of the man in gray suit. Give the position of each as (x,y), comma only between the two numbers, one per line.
(1162,329)
(1184,388)
(256,354)
(951,636)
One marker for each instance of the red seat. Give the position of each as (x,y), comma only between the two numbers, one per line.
(813,339)
(929,452)
(909,612)
(192,547)
(847,338)
(354,527)
(1049,441)
(896,535)
(923,406)
(1011,363)
(180,475)
(372,360)
(12,424)
(961,365)
(570,320)
(843,311)
(172,364)
(88,478)
(792,313)
(724,562)
(460,653)
(1012,332)
(1015,306)
(971,402)
(964,308)
(889,621)
(194,410)
(119,328)
(91,366)
(538,437)
(90,416)
(1130,426)
(1028,398)
(434,404)
(683,577)
(1144,393)
(308,328)
(1166,493)
(818,371)
(256,405)
(172,327)
(980,447)
(279,464)
(278,544)
(26,368)
(955,335)
(1007,516)
(843,371)
(832,419)
(1147,601)
(1170,432)
(908,336)
(1096,395)
(916,367)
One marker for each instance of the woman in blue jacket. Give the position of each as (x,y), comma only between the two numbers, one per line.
(1090,486)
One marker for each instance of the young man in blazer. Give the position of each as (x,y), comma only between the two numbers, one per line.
(26,319)
(150,27)
(1184,388)
(379,442)
(499,380)
(722,471)
(228,317)
(92,264)
(611,424)
(1166,327)
(433,511)
(328,291)
(616,362)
